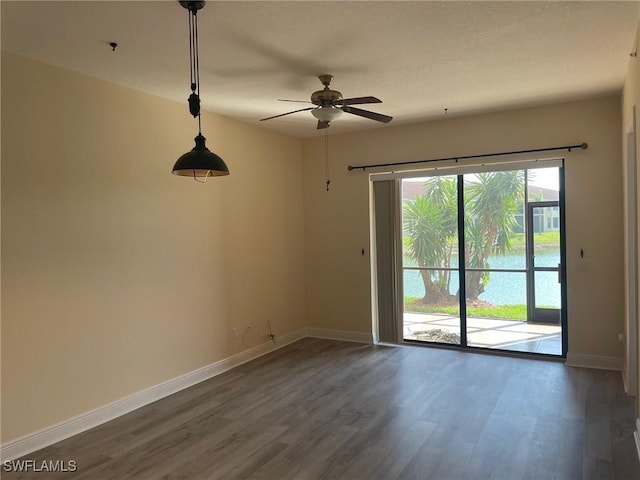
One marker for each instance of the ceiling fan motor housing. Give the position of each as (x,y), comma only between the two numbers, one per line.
(326,97)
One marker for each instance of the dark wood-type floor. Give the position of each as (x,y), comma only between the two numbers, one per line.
(321,409)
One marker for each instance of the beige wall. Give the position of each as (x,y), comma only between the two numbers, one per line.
(117,275)
(337,222)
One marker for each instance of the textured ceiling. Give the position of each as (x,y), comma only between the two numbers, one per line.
(418,57)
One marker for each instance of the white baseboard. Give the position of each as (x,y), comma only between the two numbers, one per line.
(344,335)
(625,382)
(80,423)
(636,435)
(594,361)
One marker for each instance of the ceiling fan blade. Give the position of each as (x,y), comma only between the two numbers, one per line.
(288,113)
(322,125)
(296,101)
(367,114)
(359,100)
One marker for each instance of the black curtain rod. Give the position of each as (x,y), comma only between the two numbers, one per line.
(583,146)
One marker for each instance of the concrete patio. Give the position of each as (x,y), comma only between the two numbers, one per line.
(511,335)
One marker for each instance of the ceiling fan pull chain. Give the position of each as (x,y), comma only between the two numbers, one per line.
(326,157)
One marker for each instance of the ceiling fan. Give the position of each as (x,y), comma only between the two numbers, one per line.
(329,105)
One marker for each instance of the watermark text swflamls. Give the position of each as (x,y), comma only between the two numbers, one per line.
(39,466)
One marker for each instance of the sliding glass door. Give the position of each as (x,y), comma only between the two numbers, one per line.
(430,260)
(481,260)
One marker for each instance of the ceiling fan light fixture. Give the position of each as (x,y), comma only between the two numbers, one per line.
(327,113)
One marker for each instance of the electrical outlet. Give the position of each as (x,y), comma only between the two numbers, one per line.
(621,337)
(234,332)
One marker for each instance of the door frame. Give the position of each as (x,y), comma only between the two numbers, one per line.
(557,162)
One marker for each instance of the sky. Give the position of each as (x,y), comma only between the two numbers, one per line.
(546,177)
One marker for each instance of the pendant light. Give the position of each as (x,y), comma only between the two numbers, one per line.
(200,163)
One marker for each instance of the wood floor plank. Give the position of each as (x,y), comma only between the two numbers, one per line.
(325,410)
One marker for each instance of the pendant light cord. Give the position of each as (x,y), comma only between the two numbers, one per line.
(197,62)
(194,66)
(194,62)
(191,67)
(326,157)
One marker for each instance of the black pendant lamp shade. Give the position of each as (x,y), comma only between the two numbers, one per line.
(200,162)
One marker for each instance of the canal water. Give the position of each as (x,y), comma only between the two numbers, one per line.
(504,288)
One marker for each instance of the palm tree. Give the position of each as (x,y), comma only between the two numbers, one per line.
(430,227)
(430,224)
(491,205)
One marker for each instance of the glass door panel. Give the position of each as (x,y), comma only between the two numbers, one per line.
(544,241)
(547,290)
(543,184)
(431,310)
(495,319)
(495,260)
